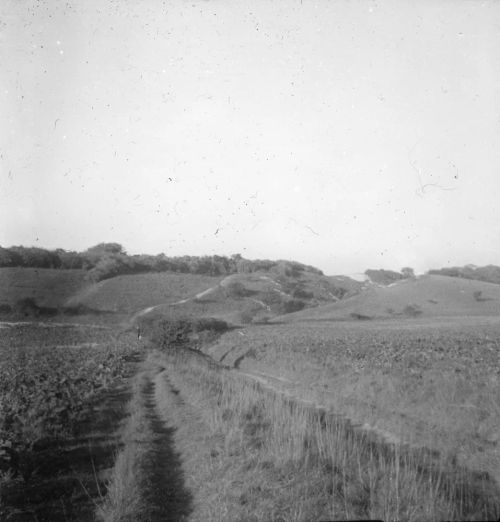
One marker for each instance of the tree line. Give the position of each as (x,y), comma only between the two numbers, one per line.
(107,260)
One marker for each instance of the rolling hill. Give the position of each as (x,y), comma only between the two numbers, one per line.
(239,297)
(254,297)
(132,293)
(48,287)
(427,296)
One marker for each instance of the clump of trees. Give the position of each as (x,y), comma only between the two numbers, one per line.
(387,277)
(172,333)
(107,260)
(488,273)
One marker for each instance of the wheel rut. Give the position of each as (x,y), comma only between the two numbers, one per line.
(166,494)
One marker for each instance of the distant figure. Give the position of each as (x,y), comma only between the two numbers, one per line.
(139,336)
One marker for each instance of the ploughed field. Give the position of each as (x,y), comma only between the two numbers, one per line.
(61,392)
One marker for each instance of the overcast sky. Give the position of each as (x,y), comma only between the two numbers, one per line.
(343,134)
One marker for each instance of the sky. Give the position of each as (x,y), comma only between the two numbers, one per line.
(343,134)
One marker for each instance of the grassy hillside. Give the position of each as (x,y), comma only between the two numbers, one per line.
(351,286)
(132,293)
(427,296)
(255,297)
(48,287)
(239,298)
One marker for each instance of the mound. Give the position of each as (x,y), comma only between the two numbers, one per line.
(46,286)
(429,295)
(132,293)
(254,297)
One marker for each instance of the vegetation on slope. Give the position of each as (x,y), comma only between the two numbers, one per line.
(425,296)
(250,297)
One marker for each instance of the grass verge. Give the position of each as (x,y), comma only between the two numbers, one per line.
(280,460)
(124,499)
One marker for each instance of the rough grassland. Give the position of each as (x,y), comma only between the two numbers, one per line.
(276,459)
(429,383)
(428,296)
(48,287)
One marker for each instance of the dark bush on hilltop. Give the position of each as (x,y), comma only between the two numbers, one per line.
(384,277)
(407,272)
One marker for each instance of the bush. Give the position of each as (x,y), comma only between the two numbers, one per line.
(183,332)
(293,305)
(5,309)
(27,307)
(384,277)
(301,293)
(237,290)
(271,297)
(246,316)
(412,310)
(360,317)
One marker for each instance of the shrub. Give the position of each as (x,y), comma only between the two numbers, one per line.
(271,297)
(360,317)
(27,307)
(5,308)
(184,331)
(237,290)
(408,272)
(384,277)
(301,293)
(412,310)
(293,305)
(247,316)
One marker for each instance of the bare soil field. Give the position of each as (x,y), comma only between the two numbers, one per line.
(62,395)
